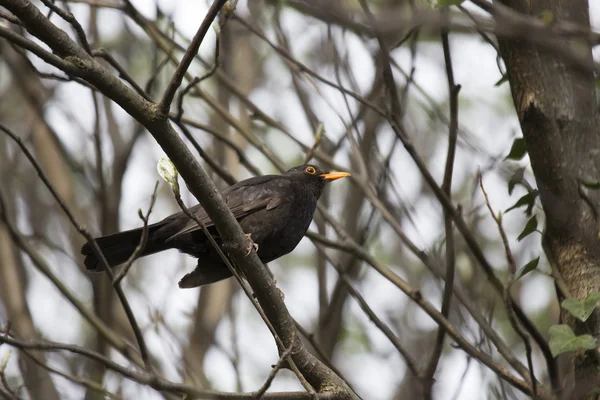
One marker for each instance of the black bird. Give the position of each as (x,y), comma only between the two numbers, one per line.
(276,210)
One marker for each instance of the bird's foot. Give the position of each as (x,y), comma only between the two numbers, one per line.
(251,244)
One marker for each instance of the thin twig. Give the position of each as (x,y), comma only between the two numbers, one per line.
(85,382)
(146,378)
(360,252)
(318,137)
(382,326)
(102,191)
(83,231)
(303,68)
(156,71)
(181,96)
(462,379)
(282,359)
(453,90)
(508,301)
(216,166)
(143,239)
(235,346)
(459,221)
(99,3)
(6,393)
(110,336)
(38,50)
(197,80)
(70,18)
(484,35)
(188,57)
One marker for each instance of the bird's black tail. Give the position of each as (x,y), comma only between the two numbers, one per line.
(117,248)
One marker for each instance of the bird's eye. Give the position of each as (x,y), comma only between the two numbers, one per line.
(311,170)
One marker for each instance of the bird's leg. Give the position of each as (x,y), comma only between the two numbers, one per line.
(251,244)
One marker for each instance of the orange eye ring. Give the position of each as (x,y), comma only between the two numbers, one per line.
(310,170)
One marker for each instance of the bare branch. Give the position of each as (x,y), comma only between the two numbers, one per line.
(70,18)
(150,379)
(188,57)
(143,240)
(508,298)
(453,90)
(85,233)
(282,359)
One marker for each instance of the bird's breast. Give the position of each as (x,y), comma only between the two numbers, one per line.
(278,231)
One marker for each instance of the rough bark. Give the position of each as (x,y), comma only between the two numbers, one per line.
(557,109)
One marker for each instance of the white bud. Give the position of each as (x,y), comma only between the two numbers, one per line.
(167,171)
(5,360)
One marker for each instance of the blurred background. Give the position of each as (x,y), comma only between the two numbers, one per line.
(279,69)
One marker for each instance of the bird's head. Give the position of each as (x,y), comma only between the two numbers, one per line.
(314,176)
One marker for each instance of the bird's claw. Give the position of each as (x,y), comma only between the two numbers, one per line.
(251,244)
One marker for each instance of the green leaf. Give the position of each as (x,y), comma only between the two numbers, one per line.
(517,178)
(527,268)
(502,80)
(581,309)
(591,185)
(526,200)
(517,151)
(530,227)
(447,3)
(511,186)
(563,340)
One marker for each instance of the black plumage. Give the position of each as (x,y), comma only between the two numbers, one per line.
(276,210)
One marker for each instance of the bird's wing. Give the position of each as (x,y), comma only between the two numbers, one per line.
(244,198)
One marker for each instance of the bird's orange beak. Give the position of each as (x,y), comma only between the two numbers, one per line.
(332,176)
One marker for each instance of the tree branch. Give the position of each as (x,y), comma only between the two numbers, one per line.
(188,57)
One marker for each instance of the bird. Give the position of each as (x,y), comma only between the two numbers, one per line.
(274,211)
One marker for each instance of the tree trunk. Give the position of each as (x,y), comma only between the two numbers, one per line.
(556,104)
